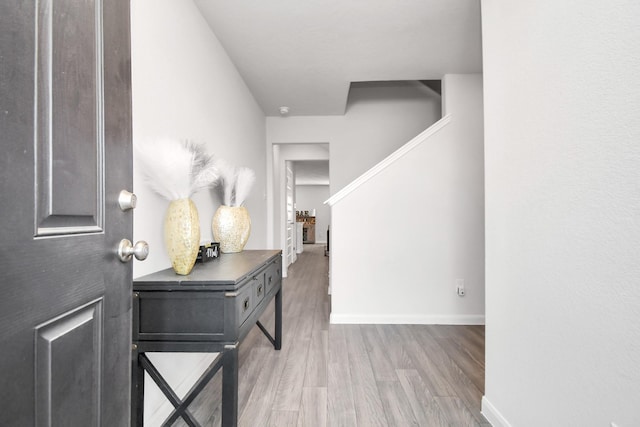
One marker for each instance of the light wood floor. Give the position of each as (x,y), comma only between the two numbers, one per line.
(351,375)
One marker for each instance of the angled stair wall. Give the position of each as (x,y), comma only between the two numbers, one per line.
(404,233)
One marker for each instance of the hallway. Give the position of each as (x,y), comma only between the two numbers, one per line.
(352,375)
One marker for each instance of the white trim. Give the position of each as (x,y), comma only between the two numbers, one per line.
(431,130)
(404,319)
(492,415)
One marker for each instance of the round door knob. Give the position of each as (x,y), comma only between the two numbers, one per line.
(126,250)
(127,200)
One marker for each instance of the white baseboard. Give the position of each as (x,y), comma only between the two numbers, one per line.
(403,319)
(492,415)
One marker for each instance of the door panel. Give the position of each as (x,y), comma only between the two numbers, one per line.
(65,120)
(69,191)
(67,379)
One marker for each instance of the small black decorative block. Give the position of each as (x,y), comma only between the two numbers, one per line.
(208,251)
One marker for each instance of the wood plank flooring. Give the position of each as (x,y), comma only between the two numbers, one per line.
(351,375)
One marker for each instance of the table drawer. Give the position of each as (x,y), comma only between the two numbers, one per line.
(272,275)
(258,288)
(245,303)
(178,315)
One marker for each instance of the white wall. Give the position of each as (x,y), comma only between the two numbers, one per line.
(401,240)
(185,86)
(310,197)
(562,108)
(378,120)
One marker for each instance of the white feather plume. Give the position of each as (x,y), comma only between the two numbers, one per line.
(176,169)
(236,183)
(244,181)
(227,181)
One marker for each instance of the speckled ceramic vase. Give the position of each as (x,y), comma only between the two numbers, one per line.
(182,235)
(231,227)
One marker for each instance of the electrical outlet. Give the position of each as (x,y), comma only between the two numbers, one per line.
(460,287)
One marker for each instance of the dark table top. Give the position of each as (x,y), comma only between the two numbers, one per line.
(224,273)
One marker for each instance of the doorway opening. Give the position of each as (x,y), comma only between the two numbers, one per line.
(301,185)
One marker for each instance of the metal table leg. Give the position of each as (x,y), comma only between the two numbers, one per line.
(230,386)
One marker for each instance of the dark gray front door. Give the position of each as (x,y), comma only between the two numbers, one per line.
(65,136)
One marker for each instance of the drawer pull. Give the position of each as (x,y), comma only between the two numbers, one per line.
(259,292)
(245,305)
(270,278)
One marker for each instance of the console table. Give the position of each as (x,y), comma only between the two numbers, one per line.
(210,310)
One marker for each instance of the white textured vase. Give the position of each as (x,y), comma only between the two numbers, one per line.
(182,235)
(231,226)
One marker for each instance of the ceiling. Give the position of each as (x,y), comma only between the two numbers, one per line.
(304,54)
